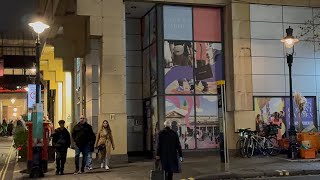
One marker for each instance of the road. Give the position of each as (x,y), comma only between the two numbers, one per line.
(310,177)
(7,158)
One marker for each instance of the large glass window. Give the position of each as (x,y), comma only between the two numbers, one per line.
(193,63)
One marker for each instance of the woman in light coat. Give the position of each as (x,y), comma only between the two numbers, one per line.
(104,142)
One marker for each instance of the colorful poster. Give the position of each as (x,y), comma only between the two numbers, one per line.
(180,112)
(205,28)
(177,22)
(207,122)
(31,95)
(308,114)
(178,67)
(146,73)
(267,106)
(208,67)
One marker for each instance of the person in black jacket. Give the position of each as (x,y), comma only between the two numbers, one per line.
(61,142)
(82,135)
(169,151)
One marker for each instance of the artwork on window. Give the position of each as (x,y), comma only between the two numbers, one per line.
(207,29)
(177,22)
(207,122)
(146,73)
(180,112)
(208,67)
(178,56)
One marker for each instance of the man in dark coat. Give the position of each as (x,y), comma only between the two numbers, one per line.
(82,135)
(169,151)
(61,142)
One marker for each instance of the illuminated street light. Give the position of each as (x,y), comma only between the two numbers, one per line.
(39,27)
(289,42)
(37,129)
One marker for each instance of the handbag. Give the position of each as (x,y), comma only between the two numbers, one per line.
(101,147)
(203,70)
(157,173)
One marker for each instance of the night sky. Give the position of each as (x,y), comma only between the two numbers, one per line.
(16,14)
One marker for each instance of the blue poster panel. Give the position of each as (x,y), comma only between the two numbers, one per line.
(177,22)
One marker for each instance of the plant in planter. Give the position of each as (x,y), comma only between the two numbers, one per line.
(20,138)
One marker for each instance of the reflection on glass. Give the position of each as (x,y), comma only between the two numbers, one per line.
(146,73)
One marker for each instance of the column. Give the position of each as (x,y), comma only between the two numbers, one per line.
(92,64)
(113,75)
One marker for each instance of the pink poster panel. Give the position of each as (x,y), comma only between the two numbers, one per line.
(207,24)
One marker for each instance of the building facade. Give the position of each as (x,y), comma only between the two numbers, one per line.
(137,64)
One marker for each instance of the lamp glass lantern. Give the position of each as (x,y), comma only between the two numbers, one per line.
(289,41)
(39,27)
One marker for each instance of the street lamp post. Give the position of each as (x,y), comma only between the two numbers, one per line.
(37,128)
(289,42)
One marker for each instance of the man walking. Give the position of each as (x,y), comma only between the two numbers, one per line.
(82,135)
(61,142)
(169,151)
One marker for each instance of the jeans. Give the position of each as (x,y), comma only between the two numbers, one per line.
(84,150)
(60,160)
(89,160)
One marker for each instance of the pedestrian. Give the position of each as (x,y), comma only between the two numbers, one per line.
(20,123)
(104,142)
(82,135)
(61,142)
(10,127)
(91,150)
(169,151)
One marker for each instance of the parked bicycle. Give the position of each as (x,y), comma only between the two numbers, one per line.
(251,143)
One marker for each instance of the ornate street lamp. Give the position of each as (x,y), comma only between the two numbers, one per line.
(37,126)
(289,42)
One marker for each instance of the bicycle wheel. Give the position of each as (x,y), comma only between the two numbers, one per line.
(272,146)
(250,148)
(240,147)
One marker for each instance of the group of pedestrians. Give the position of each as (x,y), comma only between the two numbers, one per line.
(169,151)
(85,143)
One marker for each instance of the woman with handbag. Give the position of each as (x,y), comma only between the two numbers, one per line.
(104,142)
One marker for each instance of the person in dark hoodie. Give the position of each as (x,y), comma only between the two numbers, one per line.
(61,142)
(82,135)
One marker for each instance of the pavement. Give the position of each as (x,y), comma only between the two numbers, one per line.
(207,167)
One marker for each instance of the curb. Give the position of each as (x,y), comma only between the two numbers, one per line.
(241,175)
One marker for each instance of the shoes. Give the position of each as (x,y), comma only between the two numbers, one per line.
(180,89)
(89,168)
(61,173)
(107,167)
(102,165)
(77,172)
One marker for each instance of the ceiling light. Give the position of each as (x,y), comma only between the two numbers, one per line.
(13,100)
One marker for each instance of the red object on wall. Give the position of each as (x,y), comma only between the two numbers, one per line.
(207,24)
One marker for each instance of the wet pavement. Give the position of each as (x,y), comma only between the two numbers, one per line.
(7,158)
